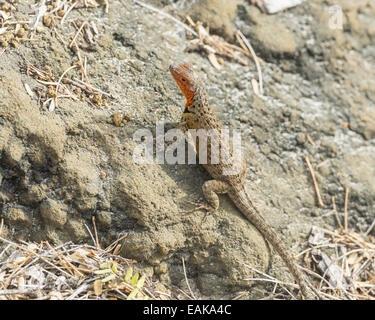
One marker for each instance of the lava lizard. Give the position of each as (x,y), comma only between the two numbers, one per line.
(199,115)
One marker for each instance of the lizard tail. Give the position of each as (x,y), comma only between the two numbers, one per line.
(244,203)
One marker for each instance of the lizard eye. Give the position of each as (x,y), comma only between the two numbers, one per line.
(183,79)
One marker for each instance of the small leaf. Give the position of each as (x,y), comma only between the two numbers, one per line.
(102,271)
(134,280)
(141,282)
(105,265)
(132,294)
(109,278)
(114,268)
(128,274)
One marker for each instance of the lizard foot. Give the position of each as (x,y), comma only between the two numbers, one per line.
(200,205)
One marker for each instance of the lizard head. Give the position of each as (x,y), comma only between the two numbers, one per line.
(186,79)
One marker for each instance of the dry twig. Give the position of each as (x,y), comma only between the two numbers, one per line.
(315,182)
(255,58)
(346,209)
(186,279)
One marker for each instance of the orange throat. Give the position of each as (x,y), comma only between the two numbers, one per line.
(184,82)
(187,91)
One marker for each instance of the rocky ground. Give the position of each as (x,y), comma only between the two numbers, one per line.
(62,164)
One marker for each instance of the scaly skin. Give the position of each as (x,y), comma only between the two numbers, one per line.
(199,115)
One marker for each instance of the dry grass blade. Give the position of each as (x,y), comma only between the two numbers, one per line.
(68,11)
(97,245)
(335,211)
(255,58)
(77,33)
(1,226)
(61,77)
(112,245)
(366,233)
(90,87)
(308,137)
(41,12)
(321,204)
(346,209)
(186,279)
(255,86)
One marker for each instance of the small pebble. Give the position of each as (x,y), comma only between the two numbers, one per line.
(5,7)
(39,29)
(61,13)
(47,20)
(301,138)
(20,32)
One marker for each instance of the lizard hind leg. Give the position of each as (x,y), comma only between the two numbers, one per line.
(211,189)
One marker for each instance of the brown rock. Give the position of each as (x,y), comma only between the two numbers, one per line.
(53,213)
(217,14)
(33,195)
(16,215)
(270,36)
(104,219)
(14,152)
(77,230)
